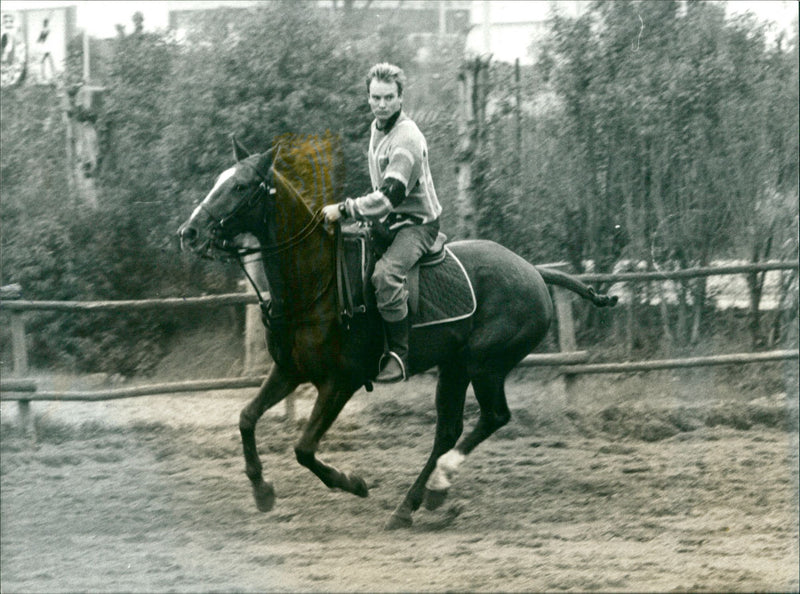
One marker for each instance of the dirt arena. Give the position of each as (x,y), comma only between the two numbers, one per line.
(653,483)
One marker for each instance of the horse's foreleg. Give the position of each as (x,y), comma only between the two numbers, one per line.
(275,388)
(451,391)
(330,401)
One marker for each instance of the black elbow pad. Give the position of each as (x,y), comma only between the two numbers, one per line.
(394,190)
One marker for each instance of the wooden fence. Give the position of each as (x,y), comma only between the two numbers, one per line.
(571,361)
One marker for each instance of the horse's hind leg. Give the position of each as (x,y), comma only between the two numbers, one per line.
(490,393)
(451,392)
(275,388)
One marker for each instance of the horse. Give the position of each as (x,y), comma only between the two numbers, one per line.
(309,343)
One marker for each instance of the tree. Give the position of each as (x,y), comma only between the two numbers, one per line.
(165,126)
(670,115)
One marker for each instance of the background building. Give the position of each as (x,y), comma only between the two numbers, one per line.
(35,32)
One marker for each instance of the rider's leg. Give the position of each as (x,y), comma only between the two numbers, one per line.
(389,280)
(395,360)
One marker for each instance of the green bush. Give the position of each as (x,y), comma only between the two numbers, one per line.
(164,128)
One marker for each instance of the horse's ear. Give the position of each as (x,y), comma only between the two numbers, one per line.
(239,152)
(265,161)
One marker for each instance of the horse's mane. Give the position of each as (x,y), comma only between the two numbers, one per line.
(313,165)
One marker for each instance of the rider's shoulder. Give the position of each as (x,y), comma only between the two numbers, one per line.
(407,130)
(406,124)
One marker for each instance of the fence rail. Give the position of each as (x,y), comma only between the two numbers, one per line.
(25,390)
(20,305)
(658,275)
(14,392)
(571,361)
(661,364)
(225,299)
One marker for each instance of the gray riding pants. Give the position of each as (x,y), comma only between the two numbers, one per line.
(389,278)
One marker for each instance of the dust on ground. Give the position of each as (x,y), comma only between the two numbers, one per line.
(639,484)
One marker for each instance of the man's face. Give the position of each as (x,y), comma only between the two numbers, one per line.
(384,100)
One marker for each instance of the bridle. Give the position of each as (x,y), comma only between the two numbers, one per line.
(265,188)
(260,192)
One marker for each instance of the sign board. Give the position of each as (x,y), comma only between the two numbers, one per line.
(15,55)
(34,44)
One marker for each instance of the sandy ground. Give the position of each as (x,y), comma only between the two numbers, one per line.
(622,485)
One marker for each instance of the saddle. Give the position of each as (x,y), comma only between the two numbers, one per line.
(439,290)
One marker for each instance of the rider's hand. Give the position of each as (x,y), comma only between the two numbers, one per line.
(331,213)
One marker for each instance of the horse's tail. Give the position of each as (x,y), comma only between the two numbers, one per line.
(562,279)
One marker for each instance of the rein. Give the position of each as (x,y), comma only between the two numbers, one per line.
(293,241)
(315,220)
(309,228)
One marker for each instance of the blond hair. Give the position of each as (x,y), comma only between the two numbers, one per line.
(389,73)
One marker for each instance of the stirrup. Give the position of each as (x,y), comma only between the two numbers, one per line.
(388,375)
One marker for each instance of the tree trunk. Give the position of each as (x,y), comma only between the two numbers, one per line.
(465,208)
(474,80)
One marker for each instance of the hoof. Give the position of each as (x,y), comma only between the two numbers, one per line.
(397,521)
(358,485)
(264,495)
(433,499)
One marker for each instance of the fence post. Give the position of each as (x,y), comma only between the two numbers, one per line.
(20,350)
(256,357)
(18,341)
(566,335)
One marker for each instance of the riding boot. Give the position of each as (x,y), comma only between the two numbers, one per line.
(394,363)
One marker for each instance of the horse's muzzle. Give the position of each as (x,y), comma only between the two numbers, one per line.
(204,243)
(189,237)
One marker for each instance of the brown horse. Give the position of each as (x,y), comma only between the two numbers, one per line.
(259,195)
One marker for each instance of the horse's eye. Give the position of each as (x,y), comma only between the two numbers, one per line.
(238,187)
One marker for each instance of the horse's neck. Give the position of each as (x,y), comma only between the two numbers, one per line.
(299,273)
(297,251)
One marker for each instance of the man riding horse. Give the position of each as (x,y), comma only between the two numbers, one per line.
(509,315)
(403,199)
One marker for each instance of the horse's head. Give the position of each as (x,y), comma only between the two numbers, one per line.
(276,196)
(236,204)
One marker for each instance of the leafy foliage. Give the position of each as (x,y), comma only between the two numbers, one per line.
(656,131)
(666,110)
(167,116)
(663,132)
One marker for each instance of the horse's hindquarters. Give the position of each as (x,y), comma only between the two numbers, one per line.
(514,308)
